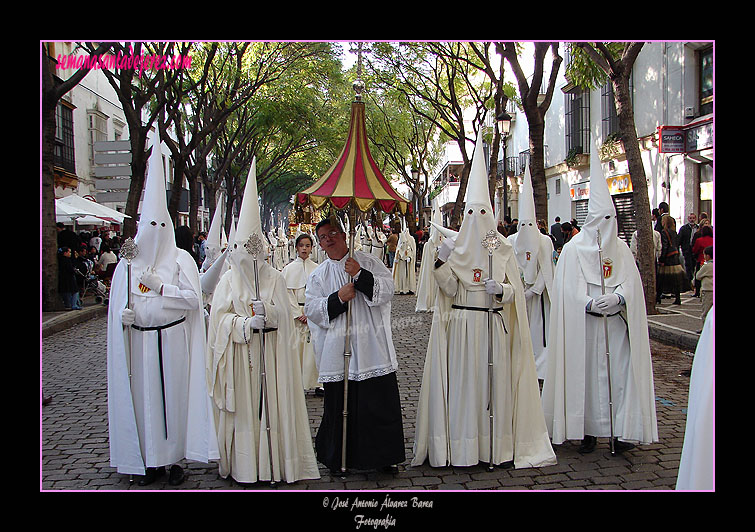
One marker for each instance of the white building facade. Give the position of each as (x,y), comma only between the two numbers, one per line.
(91,113)
(672,93)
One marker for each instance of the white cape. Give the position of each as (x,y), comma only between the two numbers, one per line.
(404,267)
(697,464)
(192,438)
(235,388)
(575,382)
(426,285)
(539,306)
(452,418)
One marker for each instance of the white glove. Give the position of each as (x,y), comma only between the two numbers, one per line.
(257,322)
(446,248)
(152,281)
(127,317)
(607,304)
(259,309)
(493,287)
(528,294)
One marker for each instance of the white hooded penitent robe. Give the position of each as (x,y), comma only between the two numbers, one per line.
(135,412)
(296,274)
(575,390)
(539,281)
(404,273)
(453,413)
(697,464)
(234,379)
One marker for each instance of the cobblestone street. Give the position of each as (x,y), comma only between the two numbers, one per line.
(74,440)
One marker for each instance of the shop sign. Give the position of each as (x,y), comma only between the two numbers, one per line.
(620,184)
(672,139)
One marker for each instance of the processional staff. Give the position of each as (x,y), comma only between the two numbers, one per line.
(608,351)
(129,250)
(491,243)
(254,246)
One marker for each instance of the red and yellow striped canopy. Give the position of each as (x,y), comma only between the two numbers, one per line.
(354,179)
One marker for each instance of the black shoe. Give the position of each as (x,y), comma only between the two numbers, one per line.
(152,474)
(392,469)
(588,444)
(621,446)
(319,392)
(176,476)
(506,465)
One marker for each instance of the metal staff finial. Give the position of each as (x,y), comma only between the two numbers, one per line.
(129,249)
(253,244)
(491,242)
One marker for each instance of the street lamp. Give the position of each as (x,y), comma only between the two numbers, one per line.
(504,125)
(415,181)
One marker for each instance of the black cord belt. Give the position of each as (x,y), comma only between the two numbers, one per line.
(598,315)
(159,329)
(480,309)
(264,330)
(484,309)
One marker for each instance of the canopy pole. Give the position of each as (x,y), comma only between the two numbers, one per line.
(347,345)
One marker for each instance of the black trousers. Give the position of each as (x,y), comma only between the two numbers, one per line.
(375,436)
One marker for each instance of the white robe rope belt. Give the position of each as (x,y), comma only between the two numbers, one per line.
(159,329)
(484,309)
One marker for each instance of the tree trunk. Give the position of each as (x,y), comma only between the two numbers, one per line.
(51,300)
(628,135)
(537,165)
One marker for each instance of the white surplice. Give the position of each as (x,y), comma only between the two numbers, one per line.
(373,353)
(296,274)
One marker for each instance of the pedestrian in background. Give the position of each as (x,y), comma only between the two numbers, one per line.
(705,276)
(391,243)
(185,241)
(557,234)
(569,231)
(686,232)
(107,257)
(703,240)
(671,277)
(67,285)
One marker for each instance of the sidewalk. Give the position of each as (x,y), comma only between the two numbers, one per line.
(53,322)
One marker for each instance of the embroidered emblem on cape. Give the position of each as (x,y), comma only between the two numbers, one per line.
(476,275)
(607,268)
(529,255)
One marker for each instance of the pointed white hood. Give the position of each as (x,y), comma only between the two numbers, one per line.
(214,244)
(601,217)
(155,237)
(249,217)
(526,240)
(469,254)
